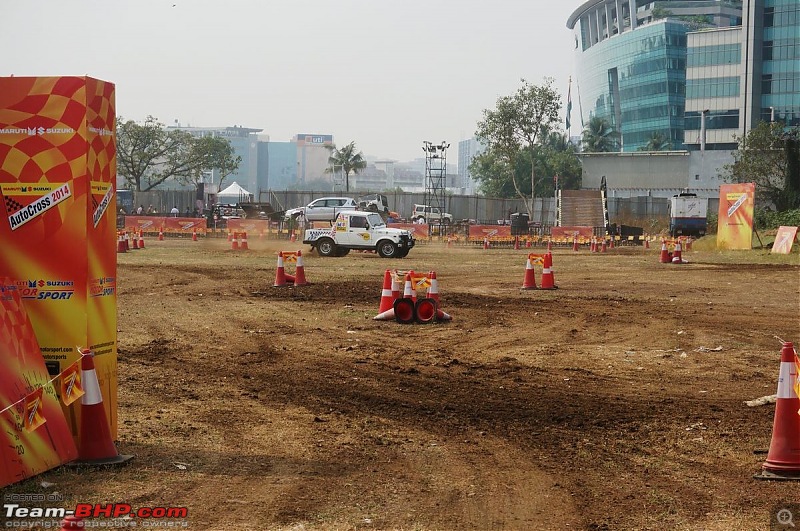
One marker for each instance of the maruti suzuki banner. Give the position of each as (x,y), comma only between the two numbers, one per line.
(58,221)
(735,225)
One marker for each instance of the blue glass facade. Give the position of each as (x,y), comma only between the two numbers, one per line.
(281,164)
(637,82)
(780,74)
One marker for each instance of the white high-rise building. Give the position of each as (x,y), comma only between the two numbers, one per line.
(467,149)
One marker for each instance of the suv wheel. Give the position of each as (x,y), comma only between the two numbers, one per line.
(326,247)
(387,249)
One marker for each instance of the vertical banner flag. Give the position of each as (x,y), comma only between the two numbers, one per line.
(58,222)
(33,410)
(735,225)
(71,387)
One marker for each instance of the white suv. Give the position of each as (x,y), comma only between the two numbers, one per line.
(323,209)
(429,214)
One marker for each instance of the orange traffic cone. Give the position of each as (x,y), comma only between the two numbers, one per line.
(548,281)
(528,243)
(530,276)
(161,234)
(230,236)
(664,258)
(783,459)
(141,240)
(689,243)
(408,290)
(611,244)
(646,242)
(676,255)
(194,235)
(592,245)
(244,246)
(516,243)
(71,522)
(575,243)
(425,310)
(280,273)
(386,292)
(449,242)
(404,309)
(486,243)
(120,243)
(549,244)
(604,246)
(292,237)
(96,445)
(300,270)
(433,290)
(134,241)
(235,241)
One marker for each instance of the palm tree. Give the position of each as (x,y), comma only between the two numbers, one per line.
(599,136)
(657,142)
(348,160)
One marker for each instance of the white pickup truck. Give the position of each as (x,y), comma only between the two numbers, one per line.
(360,230)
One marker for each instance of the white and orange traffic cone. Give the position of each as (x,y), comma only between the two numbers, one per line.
(611,243)
(120,243)
(300,270)
(604,246)
(646,242)
(425,310)
(386,293)
(243,245)
(549,244)
(280,273)
(134,241)
(529,282)
(783,459)
(575,243)
(96,445)
(292,237)
(664,258)
(194,235)
(433,289)
(516,243)
(161,234)
(141,240)
(548,280)
(486,242)
(677,257)
(404,309)
(235,242)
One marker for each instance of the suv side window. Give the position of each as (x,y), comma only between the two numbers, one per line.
(358,222)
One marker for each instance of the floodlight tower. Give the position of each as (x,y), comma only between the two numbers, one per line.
(435,174)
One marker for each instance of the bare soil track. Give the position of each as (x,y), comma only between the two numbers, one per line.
(599,405)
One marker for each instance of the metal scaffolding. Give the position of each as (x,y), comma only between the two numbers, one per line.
(435,176)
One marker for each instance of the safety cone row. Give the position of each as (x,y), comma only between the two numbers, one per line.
(409,308)
(96,445)
(783,458)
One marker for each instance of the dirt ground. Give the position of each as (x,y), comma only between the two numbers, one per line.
(613,402)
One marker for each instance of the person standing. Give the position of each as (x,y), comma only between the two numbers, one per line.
(140,210)
(174,212)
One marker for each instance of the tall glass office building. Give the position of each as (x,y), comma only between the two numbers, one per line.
(632,59)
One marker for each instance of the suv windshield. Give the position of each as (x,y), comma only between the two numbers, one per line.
(375,220)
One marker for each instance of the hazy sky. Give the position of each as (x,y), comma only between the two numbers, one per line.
(386,74)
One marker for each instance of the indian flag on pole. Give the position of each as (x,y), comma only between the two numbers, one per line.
(569,104)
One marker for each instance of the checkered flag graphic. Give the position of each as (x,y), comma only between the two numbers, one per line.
(12,205)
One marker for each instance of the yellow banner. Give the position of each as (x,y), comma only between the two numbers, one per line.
(735,225)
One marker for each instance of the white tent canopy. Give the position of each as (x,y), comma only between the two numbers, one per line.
(233,193)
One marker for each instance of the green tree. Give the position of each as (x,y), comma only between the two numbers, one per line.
(599,136)
(514,126)
(148,154)
(555,156)
(348,160)
(767,156)
(657,142)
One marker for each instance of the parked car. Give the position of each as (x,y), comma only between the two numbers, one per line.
(322,209)
(429,214)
